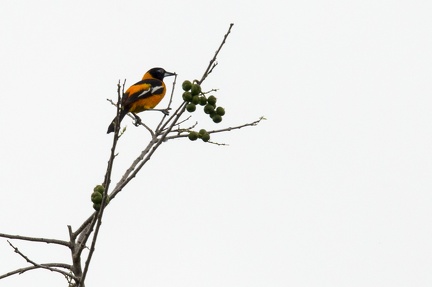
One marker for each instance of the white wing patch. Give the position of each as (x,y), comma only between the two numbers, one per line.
(143,93)
(155,89)
(150,91)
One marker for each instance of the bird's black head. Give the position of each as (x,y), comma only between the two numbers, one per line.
(159,73)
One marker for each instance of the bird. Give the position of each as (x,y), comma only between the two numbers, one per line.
(143,95)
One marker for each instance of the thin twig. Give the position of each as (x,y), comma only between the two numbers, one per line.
(53,269)
(123,181)
(25,269)
(169,105)
(212,63)
(183,130)
(82,240)
(83,226)
(254,123)
(179,110)
(172,91)
(183,121)
(35,239)
(208,92)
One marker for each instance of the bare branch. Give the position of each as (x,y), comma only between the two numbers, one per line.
(182,130)
(178,112)
(172,91)
(213,62)
(254,123)
(25,269)
(169,104)
(49,267)
(83,226)
(208,92)
(35,239)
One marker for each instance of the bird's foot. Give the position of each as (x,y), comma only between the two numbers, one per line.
(137,120)
(165,111)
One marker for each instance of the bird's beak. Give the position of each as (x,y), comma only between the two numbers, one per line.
(167,74)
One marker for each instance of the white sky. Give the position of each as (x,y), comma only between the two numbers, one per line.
(334,189)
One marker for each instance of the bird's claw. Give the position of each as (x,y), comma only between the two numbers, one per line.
(137,120)
(165,112)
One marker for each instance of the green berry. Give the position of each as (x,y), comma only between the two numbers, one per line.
(96,206)
(205,137)
(187,96)
(195,100)
(212,100)
(187,85)
(96,197)
(202,100)
(193,136)
(217,118)
(220,111)
(99,188)
(191,107)
(202,132)
(208,109)
(196,89)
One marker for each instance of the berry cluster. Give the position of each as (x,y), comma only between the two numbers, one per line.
(193,96)
(202,134)
(97,195)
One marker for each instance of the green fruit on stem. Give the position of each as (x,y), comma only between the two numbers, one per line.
(208,109)
(217,118)
(187,85)
(220,111)
(190,107)
(193,136)
(211,100)
(99,188)
(96,206)
(202,100)
(187,96)
(196,89)
(205,137)
(202,132)
(195,100)
(96,197)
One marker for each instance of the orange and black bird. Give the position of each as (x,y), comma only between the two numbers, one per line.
(143,95)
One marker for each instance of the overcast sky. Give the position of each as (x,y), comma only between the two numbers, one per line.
(334,189)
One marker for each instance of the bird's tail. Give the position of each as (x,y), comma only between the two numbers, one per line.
(112,125)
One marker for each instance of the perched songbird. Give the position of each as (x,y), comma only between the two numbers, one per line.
(144,95)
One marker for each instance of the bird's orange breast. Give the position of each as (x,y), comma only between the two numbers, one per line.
(146,103)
